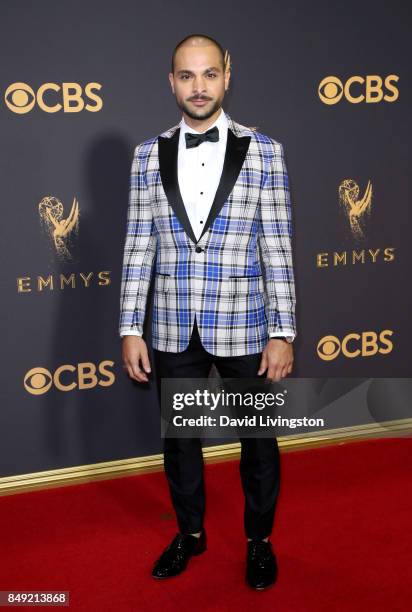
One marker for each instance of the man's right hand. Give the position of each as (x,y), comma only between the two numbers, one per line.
(135,358)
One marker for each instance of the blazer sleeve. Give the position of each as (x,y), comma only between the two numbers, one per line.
(139,251)
(275,243)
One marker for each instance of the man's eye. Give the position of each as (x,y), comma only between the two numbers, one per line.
(211,74)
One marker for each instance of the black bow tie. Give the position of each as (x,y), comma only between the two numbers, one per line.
(194,140)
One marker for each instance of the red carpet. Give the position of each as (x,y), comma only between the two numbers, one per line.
(342,537)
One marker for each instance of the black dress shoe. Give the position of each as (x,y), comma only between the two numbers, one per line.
(175,557)
(261,566)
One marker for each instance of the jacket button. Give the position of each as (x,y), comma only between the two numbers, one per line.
(198,249)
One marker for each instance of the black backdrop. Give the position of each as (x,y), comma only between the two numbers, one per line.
(280,53)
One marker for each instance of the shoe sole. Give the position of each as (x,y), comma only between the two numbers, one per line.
(265,588)
(262,588)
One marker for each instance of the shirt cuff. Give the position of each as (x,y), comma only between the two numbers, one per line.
(131,332)
(281,335)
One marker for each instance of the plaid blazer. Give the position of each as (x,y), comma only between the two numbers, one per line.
(238,277)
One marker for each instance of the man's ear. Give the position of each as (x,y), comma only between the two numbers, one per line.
(171,81)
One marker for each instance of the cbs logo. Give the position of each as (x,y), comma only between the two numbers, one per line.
(359,89)
(366,344)
(38,381)
(20,98)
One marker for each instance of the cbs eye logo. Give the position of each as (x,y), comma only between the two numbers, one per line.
(20,98)
(38,381)
(358,89)
(365,344)
(67,377)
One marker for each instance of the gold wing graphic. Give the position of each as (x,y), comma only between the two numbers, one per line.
(355,208)
(65,226)
(359,206)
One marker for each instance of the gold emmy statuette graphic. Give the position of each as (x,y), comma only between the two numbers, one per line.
(228,67)
(355,208)
(227,60)
(60,230)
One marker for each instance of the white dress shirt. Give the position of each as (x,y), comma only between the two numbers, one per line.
(199,172)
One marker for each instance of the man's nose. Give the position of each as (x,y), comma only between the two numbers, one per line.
(199,84)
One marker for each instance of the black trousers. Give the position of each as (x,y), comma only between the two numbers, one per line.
(183,459)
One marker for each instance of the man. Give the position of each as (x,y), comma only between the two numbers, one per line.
(210,210)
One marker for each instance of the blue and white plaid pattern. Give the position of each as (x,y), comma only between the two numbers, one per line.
(241,285)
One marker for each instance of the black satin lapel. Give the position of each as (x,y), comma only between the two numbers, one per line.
(236,149)
(168,151)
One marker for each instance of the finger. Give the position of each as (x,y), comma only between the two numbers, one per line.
(138,374)
(284,372)
(130,372)
(277,375)
(263,364)
(145,360)
(137,366)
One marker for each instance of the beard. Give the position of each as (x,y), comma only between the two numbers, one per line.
(200,114)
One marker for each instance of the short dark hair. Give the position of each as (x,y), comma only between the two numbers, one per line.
(212,40)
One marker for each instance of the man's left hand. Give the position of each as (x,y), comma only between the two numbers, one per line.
(277,359)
